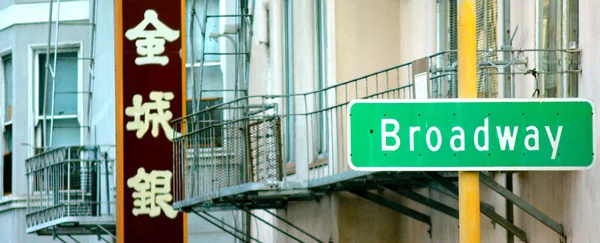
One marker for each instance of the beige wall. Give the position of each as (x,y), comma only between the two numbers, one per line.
(369,36)
(581,208)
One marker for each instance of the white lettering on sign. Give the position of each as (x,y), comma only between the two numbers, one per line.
(150,43)
(460,137)
(155,113)
(507,137)
(393,134)
(486,136)
(439,138)
(152,193)
(412,137)
(554,141)
(536,139)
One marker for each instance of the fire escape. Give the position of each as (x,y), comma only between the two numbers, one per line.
(229,156)
(70,188)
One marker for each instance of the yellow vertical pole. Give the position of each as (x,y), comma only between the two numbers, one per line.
(468,181)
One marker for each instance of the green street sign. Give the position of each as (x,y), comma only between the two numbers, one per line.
(471,134)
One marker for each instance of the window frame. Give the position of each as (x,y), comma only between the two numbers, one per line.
(288,85)
(6,190)
(320,47)
(6,125)
(36,51)
(215,101)
(564,27)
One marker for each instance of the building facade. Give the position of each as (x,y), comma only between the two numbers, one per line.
(276,112)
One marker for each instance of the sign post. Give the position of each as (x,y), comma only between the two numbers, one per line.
(468,181)
(150,92)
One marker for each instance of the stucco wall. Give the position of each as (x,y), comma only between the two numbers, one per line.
(373,35)
(582,205)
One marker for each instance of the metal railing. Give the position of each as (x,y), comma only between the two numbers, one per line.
(70,182)
(302,137)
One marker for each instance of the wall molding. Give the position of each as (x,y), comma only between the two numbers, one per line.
(32,13)
(12,202)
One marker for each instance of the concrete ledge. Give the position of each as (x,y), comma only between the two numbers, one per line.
(12,202)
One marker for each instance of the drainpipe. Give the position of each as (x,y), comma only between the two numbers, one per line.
(454,79)
(506,46)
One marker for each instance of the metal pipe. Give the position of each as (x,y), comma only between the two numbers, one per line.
(269,224)
(294,226)
(54,75)
(107,184)
(91,68)
(564,84)
(218,226)
(47,77)
(193,54)
(107,232)
(510,237)
(204,23)
(507,46)
(229,226)
(229,16)
(454,80)
(71,237)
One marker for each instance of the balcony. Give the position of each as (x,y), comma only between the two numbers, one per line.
(233,155)
(71,191)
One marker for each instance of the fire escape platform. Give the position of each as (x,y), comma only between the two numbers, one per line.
(70,192)
(254,195)
(77,225)
(231,155)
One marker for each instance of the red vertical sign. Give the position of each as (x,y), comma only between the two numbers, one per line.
(150,64)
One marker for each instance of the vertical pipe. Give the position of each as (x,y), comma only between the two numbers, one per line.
(47,77)
(29,189)
(198,97)
(193,56)
(564,81)
(469,217)
(91,76)
(510,237)
(106,186)
(506,46)
(54,74)
(68,188)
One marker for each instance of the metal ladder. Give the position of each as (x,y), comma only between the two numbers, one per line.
(237,33)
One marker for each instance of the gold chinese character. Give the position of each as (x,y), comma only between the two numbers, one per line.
(155,113)
(151,43)
(152,193)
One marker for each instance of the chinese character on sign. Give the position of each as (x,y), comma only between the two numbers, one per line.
(151,42)
(154,113)
(152,193)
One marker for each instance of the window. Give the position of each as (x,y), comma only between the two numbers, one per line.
(289,81)
(214,116)
(8,81)
(557,29)
(320,47)
(58,99)
(486,30)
